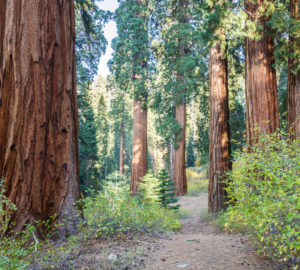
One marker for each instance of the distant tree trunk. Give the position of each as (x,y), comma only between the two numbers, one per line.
(139,148)
(179,159)
(180,111)
(122,150)
(219,146)
(261,87)
(38,111)
(293,87)
(172,157)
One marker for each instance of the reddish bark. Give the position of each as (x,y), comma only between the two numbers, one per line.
(293,87)
(219,146)
(139,151)
(179,158)
(38,110)
(261,87)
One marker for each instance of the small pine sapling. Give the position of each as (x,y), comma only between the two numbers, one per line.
(167,190)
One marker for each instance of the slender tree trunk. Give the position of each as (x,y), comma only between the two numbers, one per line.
(139,151)
(122,150)
(293,87)
(219,146)
(261,87)
(172,158)
(38,111)
(179,159)
(180,111)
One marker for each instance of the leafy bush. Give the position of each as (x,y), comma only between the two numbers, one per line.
(197,180)
(113,212)
(264,193)
(14,251)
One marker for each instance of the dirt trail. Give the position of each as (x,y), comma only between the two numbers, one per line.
(199,245)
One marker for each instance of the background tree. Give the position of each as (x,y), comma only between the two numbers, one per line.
(90,44)
(38,112)
(261,85)
(130,66)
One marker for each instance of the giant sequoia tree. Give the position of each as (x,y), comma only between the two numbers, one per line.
(293,88)
(130,66)
(219,137)
(38,110)
(261,86)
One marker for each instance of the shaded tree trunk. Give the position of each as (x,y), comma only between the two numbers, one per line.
(261,88)
(180,110)
(139,148)
(38,111)
(179,158)
(293,87)
(219,146)
(122,150)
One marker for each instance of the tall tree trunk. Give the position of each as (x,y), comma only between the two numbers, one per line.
(293,87)
(139,151)
(261,87)
(38,110)
(179,159)
(219,146)
(180,109)
(122,150)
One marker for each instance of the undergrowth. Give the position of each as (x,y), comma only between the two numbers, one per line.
(109,214)
(197,180)
(264,189)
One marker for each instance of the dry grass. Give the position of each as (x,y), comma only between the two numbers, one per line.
(197,180)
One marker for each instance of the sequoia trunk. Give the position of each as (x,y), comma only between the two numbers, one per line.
(179,158)
(122,150)
(261,89)
(38,111)
(293,88)
(139,150)
(219,146)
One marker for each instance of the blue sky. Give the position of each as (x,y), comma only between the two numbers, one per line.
(110,32)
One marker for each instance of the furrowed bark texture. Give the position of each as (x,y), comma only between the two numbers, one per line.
(293,87)
(122,150)
(261,88)
(139,151)
(219,147)
(179,158)
(38,110)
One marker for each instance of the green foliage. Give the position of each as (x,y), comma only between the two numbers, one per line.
(264,191)
(131,54)
(197,180)
(13,251)
(159,189)
(190,155)
(113,212)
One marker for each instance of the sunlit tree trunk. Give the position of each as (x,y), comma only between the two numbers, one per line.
(122,150)
(261,87)
(293,87)
(139,78)
(139,151)
(219,146)
(179,158)
(38,111)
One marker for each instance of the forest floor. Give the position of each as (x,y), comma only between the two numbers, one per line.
(199,244)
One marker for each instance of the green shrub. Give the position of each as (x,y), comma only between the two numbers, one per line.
(113,212)
(264,193)
(14,251)
(197,180)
